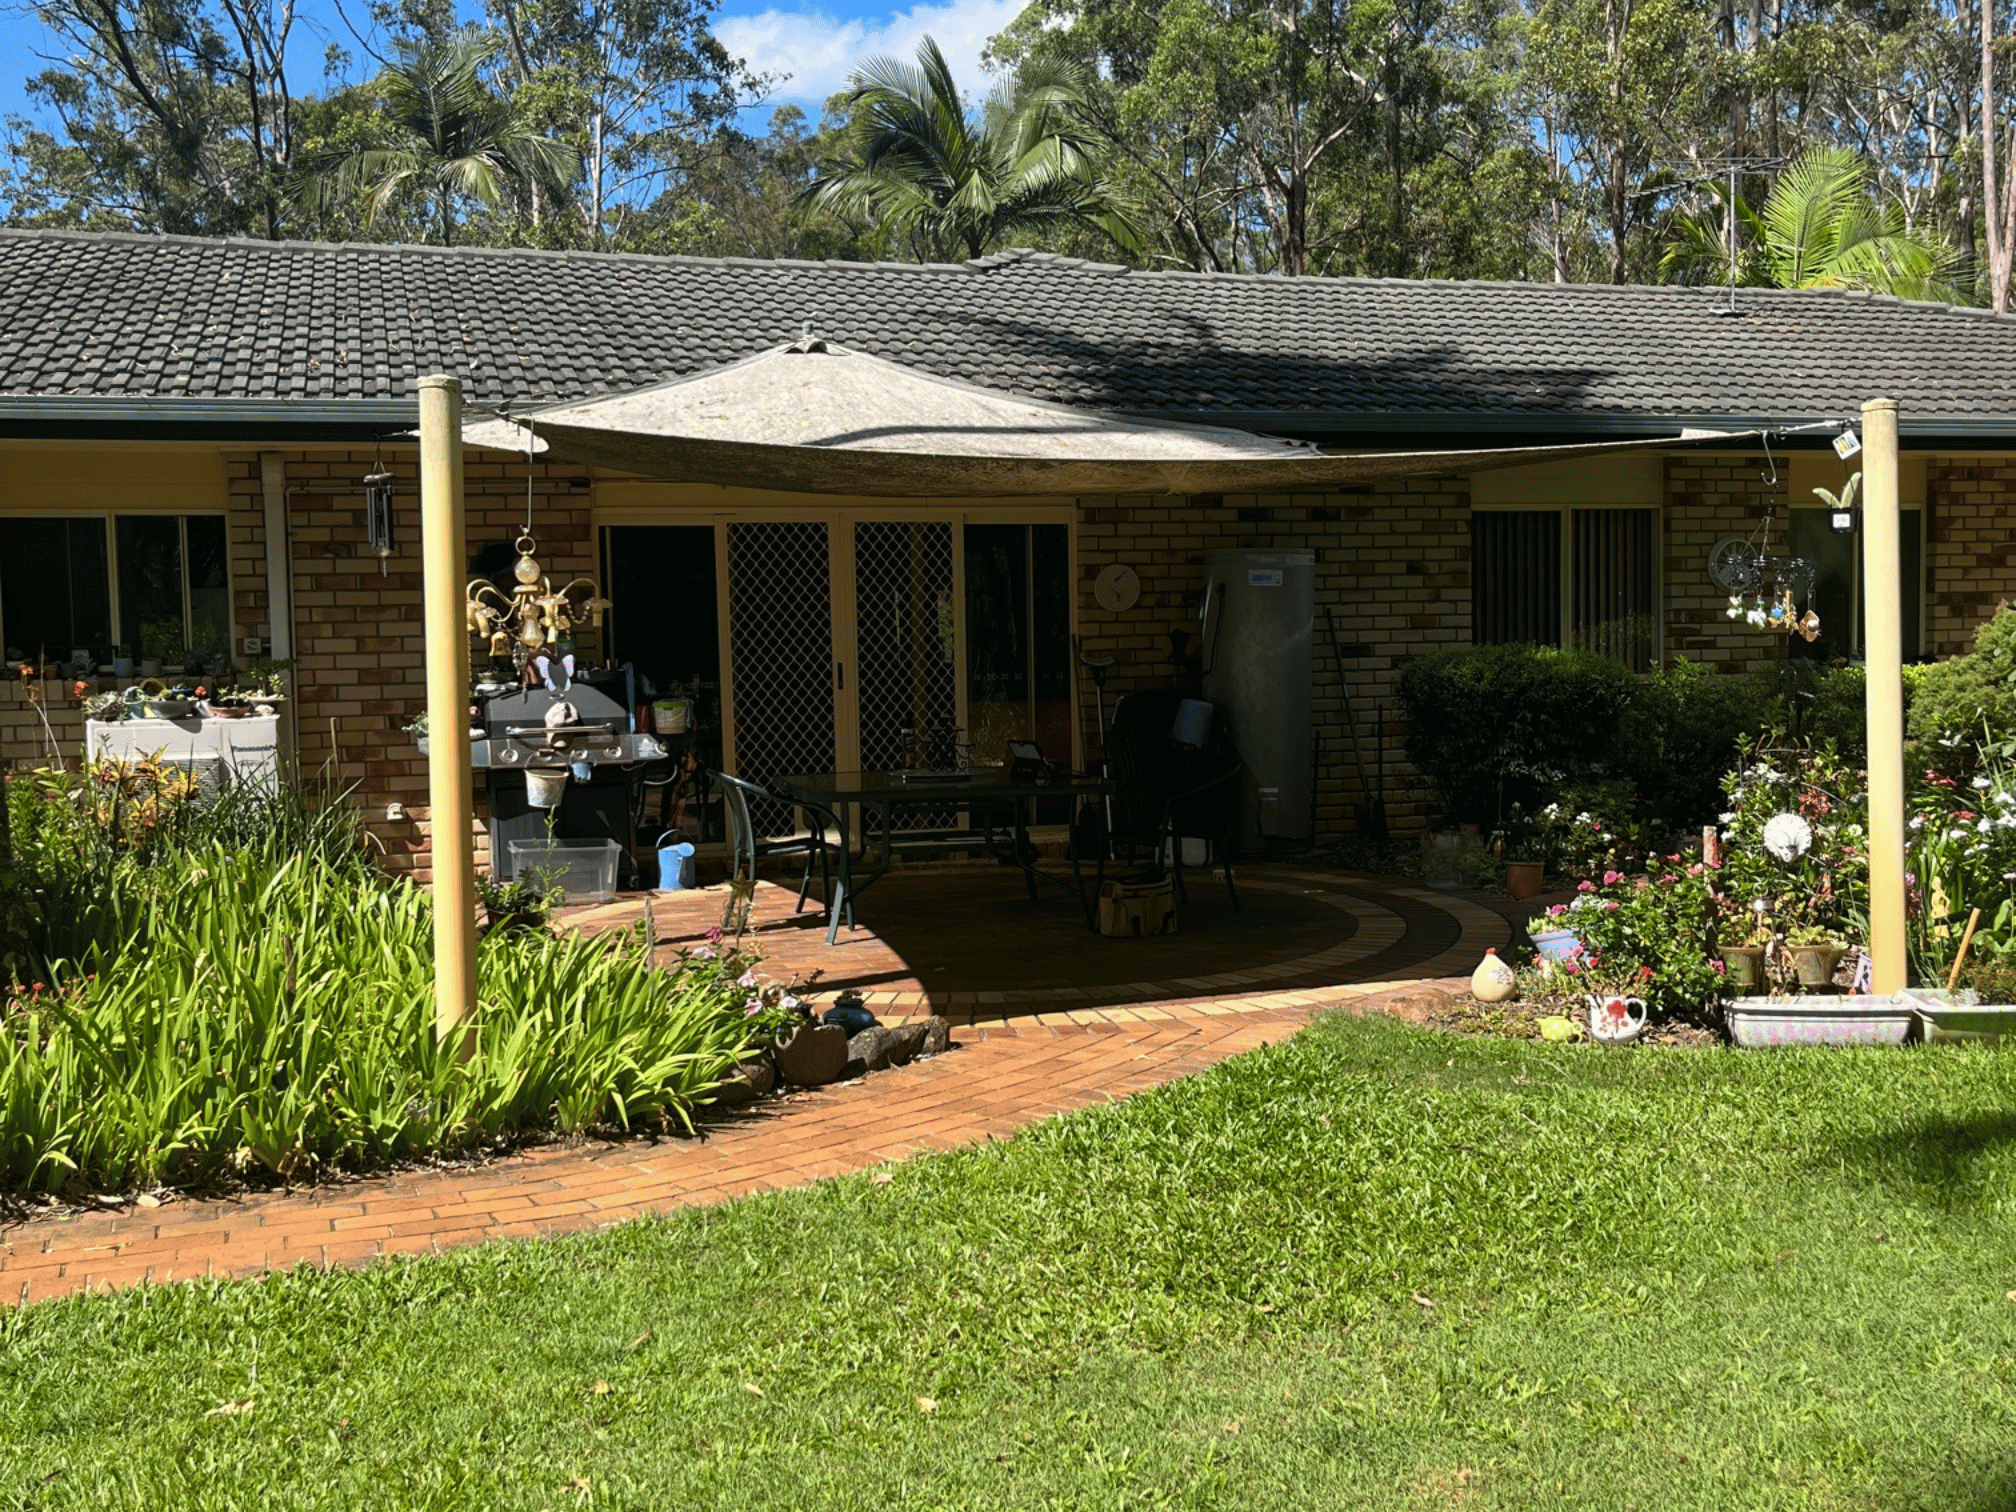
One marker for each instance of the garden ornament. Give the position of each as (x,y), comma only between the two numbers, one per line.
(1787,836)
(1615,1020)
(1493,981)
(1559,1030)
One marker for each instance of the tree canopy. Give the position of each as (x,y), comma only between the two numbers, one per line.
(1588,140)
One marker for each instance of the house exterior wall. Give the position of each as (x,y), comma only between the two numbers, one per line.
(1393,566)
(1970,548)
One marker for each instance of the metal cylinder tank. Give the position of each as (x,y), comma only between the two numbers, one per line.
(1259,636)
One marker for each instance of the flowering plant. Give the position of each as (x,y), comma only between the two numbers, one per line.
(774,1009)
(1795,843)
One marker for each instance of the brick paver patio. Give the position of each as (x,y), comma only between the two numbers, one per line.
(1022,1052)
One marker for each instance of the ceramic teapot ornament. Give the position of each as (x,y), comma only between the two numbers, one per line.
(1615,1020)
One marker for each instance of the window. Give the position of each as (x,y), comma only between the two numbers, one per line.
(1581,578)
(1837,588)
(158,585)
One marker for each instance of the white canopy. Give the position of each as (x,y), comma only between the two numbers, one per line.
(819,418)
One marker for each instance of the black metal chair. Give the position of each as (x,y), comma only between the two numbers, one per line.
(747,849)
(1165,793)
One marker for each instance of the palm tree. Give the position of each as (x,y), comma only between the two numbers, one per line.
(925,168)
(446,136)
(1819,229)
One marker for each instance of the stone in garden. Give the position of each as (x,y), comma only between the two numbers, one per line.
(745,1083)
(880,1048)
(1422,1007)
(813,1056)
(937,1036)
(1492,981)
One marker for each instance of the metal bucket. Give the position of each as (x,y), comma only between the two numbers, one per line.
(545,789)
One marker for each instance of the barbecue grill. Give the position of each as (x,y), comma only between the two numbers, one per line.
(594,745)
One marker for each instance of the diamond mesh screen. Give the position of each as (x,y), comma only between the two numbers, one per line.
(907,687)
(780,631)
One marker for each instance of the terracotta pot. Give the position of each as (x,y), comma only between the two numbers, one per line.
(1745,964)
(1815,964)
(1525,879)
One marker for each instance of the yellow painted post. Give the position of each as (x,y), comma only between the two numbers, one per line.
(450,796)
(1881,598)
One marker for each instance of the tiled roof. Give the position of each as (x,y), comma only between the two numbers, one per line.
(129,316)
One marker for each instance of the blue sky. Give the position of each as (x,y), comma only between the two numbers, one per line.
(817,43)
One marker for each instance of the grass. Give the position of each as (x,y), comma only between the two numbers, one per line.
(1374,1267)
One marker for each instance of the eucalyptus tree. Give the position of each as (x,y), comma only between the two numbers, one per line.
(640,88)
(159,115)
(443,139)
(915,161)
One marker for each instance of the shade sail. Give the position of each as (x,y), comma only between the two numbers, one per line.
(818,418)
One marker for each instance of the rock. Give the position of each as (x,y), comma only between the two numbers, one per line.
(937,1036)
(813,1056)
(1423,1007)
(879,1049)
(745,1083)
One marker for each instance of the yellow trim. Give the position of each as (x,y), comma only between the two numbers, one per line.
(108,480)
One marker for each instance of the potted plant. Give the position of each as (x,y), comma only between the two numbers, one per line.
(521,904)
(1815,953)
(1746,958)
(1525,841)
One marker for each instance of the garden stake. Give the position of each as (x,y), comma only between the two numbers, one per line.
(1960,959)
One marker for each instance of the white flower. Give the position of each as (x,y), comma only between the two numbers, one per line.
(1728,818)
(1985,826)
(1787,836)
(1981,782)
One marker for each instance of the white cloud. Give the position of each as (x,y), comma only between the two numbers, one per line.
(820,51)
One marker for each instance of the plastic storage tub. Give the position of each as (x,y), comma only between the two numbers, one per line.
(582,871)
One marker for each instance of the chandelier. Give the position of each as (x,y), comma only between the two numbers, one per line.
(536,623)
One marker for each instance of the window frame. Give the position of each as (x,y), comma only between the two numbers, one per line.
(108,520)
(1567,512)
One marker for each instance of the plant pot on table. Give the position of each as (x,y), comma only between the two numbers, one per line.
(1525,879)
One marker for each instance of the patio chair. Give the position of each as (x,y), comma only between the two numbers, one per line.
(748,849)
(1164,793)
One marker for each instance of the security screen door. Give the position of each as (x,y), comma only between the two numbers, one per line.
(843,636)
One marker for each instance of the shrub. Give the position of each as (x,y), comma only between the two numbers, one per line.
(1683,728)
(1492,725)
(1969,702)
(1819,878)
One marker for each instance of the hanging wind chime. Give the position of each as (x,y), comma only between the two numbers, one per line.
(1766,592)
(533,628)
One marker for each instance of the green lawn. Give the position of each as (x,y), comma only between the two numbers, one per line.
(1373,1267)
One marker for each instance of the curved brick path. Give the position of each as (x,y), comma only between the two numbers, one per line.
(1027,1055)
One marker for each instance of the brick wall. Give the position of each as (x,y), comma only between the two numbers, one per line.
(1970,549)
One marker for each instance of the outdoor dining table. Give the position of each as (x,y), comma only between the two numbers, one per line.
(981,793)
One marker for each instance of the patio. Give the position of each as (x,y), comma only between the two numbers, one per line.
(966,942)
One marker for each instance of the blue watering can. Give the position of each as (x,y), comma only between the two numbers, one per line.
(675,863)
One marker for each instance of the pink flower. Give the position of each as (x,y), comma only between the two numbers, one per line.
(1720,969)
(715,935)
(702,953)
(753,1007)
(1585,886)
(1612,878)
(1555,911)
(1613,903)
(747,979)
